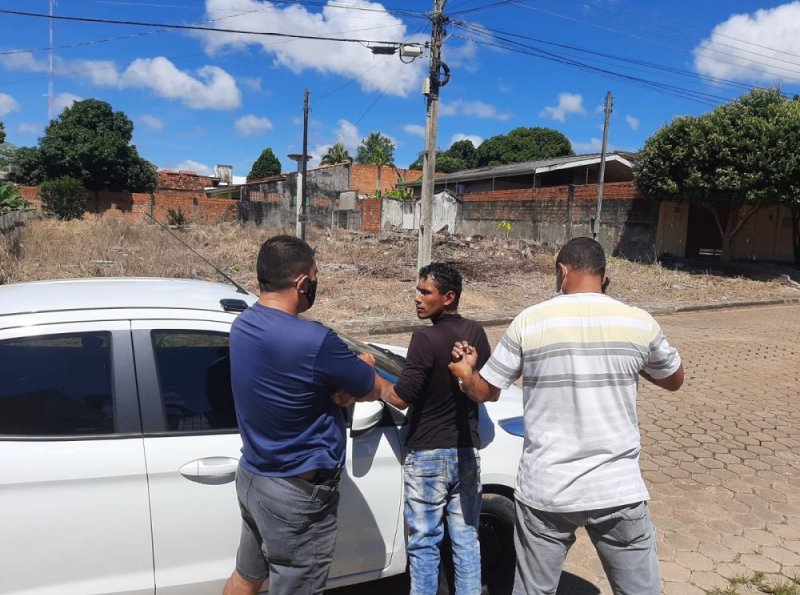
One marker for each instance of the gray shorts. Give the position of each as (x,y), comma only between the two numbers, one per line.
(623,536)
(288,531)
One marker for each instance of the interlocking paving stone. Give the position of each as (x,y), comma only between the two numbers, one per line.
(721,456)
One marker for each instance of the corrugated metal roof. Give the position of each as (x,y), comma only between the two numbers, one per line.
(526,167)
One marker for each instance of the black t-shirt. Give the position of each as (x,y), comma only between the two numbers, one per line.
(441,415)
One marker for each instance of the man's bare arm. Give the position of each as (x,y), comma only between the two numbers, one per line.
(388,395)
(671,383)
(465,360)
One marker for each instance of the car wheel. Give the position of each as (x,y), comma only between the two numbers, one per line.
(498,558)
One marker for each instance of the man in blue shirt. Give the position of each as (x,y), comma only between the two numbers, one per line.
(285,374)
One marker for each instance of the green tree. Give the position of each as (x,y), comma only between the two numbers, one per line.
(730,161)
(460,156)
(265,166)
(464,151)
(376,149)
(336,154)
(522,144)
(64,198)
(89,142)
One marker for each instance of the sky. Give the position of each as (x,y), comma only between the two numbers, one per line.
(199,98)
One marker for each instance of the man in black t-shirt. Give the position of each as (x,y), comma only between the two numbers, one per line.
(442,465)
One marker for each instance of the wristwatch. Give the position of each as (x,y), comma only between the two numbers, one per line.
(460,380)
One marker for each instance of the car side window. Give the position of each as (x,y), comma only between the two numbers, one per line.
(194,376)
(57,385)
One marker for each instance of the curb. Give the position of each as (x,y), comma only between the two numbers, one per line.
(396,327)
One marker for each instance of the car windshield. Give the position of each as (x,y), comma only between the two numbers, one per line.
(388,362)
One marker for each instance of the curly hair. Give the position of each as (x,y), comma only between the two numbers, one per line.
(445,277)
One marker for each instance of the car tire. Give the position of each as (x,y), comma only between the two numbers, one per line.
(498,557)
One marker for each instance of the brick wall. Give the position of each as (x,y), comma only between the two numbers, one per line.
(365,177)
(183,181)
(134,205)
(370,209)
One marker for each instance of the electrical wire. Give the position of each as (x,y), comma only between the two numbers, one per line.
(198,28)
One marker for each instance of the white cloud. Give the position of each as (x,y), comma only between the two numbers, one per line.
(209,87)
(195,166)
(151,122)
(414,129)
(476,140)
(462,56)
(632,122)
(63,100)
(568,103)
(251,82)
(24,61)
(251,125)
(30,128)
(8,104)
(478,109)
(347,134)
(593,146)
(761,46)
(335,20)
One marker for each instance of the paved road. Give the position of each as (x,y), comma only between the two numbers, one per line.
(721,457)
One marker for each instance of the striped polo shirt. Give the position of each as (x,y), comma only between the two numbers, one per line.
(579,356)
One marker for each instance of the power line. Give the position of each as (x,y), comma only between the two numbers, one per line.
(484,7)
(198,28)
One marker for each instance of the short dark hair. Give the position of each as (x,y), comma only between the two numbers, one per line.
(445,277)
(280,260)
(583,254)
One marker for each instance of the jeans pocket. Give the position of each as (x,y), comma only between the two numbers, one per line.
(424,467)
(627,525)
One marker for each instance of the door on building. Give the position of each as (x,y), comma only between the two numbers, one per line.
(703,239)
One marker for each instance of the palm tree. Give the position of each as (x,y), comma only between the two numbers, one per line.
(336,154)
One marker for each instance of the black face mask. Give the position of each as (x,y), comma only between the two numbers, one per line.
(311,292)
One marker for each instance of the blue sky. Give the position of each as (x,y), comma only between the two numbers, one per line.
(201,98)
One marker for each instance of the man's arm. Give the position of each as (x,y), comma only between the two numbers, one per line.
(381,389)
(671,383)
(471,383)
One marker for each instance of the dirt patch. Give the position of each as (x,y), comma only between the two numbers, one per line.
(365,280)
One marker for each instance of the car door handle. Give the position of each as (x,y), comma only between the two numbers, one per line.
(211,470)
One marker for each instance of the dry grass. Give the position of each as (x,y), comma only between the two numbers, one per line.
(365,279)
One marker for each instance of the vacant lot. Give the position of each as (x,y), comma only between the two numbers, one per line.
(365,280)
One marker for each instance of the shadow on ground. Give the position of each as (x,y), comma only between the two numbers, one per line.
(570,584)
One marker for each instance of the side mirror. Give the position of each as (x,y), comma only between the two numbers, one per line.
(366,416)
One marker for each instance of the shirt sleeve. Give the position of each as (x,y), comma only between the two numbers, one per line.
(662,359)
(419,361)
(505,365)
(338,366)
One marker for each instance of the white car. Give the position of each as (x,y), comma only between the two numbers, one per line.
(118,444)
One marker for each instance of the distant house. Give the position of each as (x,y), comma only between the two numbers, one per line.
(552,200)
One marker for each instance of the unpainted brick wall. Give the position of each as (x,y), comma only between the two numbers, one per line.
(370,209)
(365,177)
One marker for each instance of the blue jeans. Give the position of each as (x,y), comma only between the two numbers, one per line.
(288,531)
(439,483)
(623,536)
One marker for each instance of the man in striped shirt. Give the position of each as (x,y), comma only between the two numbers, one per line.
(580,355)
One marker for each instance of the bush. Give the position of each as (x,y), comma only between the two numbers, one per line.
(64,198)
(176,217)
(10,199)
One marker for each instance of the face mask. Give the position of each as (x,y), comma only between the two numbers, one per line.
(311,292)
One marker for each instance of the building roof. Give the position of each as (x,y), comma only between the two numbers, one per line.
(527,167)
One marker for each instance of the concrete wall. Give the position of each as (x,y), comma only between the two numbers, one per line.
(547,215)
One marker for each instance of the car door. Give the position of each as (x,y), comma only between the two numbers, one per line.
(192,448)
(74,515)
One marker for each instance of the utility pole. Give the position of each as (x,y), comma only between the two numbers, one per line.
(431,127)
(51,102)
(303,184)
(602,175)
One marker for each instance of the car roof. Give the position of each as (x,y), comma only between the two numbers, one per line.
(115,292)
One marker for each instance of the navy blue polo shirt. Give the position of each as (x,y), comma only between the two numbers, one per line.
(283,372)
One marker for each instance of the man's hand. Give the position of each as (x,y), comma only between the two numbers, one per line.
(342,399)
(464,352)
(367,358)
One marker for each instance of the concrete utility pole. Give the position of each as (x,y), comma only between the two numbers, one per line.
(602,175)
(303,185)
(431,127)
(301,165)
